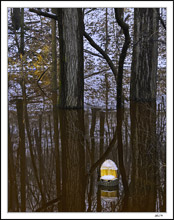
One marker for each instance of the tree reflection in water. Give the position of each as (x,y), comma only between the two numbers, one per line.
(73,160)
(63,153)
(145,170)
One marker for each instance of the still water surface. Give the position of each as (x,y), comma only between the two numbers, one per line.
(54,159)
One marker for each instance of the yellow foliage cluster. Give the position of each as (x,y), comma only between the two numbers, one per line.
(33,63)
(45,49)
(11,61)
(39,62)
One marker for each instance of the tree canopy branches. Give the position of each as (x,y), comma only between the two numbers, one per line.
(101,51)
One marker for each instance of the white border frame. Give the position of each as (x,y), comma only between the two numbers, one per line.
(4,104)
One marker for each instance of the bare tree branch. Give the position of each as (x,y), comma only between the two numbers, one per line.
(42,75)
(99,49)
(102,52)
(96,73)
(95,54)
(125,28)
(102,158)
(45,14)
(161,20)
(90,10)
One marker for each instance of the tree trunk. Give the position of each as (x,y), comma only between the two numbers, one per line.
(145,55)
(54,61)
(144,157)
(13,204)
(70,22)
(125,28)
(120,150)
(16,18)
(22,32)
(54,99)
(73,163)
(21,125)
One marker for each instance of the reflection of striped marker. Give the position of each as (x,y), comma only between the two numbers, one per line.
(109,193)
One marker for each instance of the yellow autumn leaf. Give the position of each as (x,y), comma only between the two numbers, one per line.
(39,58)
(9,60)
(46,82)
(37,73)
(46,49)
(35,65)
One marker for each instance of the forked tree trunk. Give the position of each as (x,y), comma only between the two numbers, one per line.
(145,55)
(71,84)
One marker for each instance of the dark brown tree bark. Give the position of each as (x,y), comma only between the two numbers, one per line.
(71,86)
(102,121)
(106,30)
(28,131)
(21,125)
(13,203)
(120,150)
(54,99)
(144,157)
(145,55)
(73,164)
(38,139)
(16,18)
(21,50)
(54,61)
(92,151)
(71,80)
(18,22)
(125,28)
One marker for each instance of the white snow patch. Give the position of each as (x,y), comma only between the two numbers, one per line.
(108,177)
(109,164)
(38,51)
